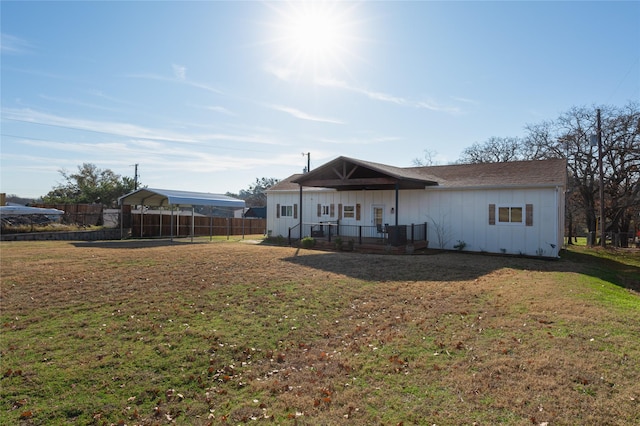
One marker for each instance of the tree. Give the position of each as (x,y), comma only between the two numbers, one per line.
(495,150)
(255,195)
(428,160)
(90,185)
(570,136)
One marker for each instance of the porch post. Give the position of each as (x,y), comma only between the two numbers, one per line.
(397,191)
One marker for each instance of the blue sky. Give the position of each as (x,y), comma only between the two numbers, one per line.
(208,96)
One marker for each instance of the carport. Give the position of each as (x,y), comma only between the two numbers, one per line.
(172,199)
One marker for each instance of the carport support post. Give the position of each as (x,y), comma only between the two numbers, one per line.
(171,207)
(193,222)
(210,223)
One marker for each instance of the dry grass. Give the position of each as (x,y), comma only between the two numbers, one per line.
(212,333)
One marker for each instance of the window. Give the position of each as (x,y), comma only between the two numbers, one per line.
(510,214)
(326,210)
(349,212)
(286,211)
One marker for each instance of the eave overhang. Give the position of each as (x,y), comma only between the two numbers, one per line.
(348,174)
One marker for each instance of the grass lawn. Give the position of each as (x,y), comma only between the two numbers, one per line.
(230,332)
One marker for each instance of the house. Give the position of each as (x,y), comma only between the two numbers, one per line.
(511,208)
(256,212)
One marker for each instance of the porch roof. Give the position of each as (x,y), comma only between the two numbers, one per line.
(344,174)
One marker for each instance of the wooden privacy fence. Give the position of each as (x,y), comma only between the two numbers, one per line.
(156,225)
(78,214)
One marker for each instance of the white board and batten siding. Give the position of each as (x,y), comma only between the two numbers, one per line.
(510,208)
(452,216)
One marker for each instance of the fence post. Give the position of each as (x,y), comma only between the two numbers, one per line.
(360,234)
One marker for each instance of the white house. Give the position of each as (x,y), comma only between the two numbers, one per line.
(511,208)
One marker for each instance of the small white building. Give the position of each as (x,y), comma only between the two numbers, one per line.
(510,208)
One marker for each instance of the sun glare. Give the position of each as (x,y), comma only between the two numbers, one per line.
(315,36)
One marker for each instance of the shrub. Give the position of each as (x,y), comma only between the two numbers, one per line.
(338,243)
(308,242)
(460,246)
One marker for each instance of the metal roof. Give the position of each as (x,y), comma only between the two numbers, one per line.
(154,197)
(24,210)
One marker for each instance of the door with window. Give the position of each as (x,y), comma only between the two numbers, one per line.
(377,213)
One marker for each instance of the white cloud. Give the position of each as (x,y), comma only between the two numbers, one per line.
(180,72)
(13,44)
(305,116)
(281,73)
(177,78)
(385,97)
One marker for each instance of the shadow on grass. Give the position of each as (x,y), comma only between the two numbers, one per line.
(135,244)
(617,272)
(454,266)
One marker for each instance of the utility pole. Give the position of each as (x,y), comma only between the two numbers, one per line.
(308,154)
(135,177)
(603,241)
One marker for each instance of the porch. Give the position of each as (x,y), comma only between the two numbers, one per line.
(380,238)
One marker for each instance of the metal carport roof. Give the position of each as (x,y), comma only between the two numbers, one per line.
(166,197)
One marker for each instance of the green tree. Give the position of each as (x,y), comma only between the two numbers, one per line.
(90,185)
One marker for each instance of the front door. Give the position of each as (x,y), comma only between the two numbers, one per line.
(378,215)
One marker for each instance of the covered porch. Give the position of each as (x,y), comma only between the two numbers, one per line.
(362,237)
(346,174)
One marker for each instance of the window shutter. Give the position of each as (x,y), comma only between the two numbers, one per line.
(332,210)
(319,209)
(277,210)
(529,215)
(492,214)
(295,211)
(357,211)
(339,211)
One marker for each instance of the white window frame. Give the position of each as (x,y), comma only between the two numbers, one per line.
(511,207)
(286,210)
(349,211)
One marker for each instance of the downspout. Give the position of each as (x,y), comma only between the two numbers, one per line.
(122,221)
(300,213)
(559,231)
